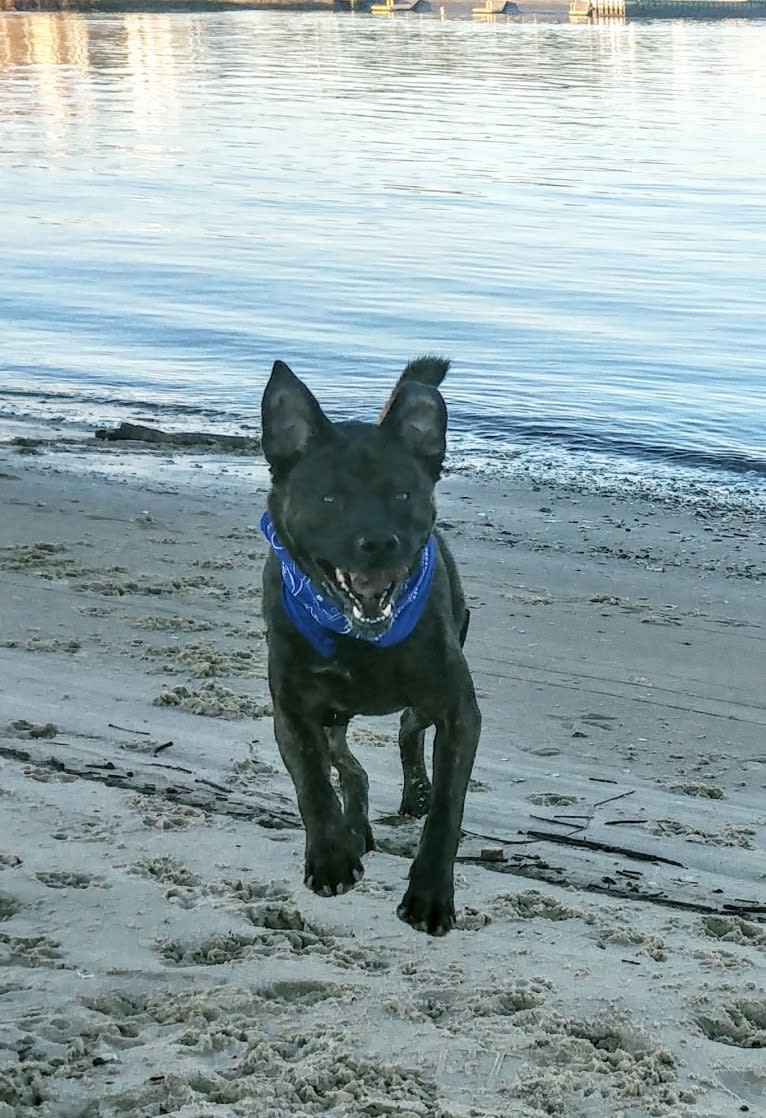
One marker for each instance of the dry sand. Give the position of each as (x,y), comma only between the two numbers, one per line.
(159,952)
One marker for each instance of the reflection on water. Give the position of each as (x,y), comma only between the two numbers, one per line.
(137,48)
(41,46)
(29,41)
(575,213)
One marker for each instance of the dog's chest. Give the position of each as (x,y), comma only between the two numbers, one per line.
(368,688)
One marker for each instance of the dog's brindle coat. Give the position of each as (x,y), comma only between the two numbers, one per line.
(352,503)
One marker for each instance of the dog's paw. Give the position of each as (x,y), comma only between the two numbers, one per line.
(330,872)
(428,911)
(369,838)
(416,799)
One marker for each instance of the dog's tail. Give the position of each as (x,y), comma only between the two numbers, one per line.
(428,369)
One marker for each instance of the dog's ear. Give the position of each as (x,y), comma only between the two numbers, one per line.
(290,418)
(417,416)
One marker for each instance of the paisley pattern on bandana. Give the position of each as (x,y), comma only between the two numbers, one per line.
(316,616)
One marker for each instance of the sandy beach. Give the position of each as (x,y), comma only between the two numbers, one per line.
(160,954)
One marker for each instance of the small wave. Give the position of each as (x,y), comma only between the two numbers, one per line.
(726,460)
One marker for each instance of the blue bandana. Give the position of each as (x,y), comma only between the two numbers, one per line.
(315,615)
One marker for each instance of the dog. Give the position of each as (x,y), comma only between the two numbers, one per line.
(365,614)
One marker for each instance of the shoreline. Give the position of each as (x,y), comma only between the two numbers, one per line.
(160,949)
(72,445)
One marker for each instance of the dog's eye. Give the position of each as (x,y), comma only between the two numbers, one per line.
(403,496)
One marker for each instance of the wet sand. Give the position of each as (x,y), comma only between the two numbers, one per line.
(159,952)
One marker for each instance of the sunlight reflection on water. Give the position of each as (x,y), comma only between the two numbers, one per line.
(575,214)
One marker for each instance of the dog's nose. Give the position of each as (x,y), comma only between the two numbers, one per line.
(377,545)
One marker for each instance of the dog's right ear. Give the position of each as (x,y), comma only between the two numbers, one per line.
(290,419)
(417,416)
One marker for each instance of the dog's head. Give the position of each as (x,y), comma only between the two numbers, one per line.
(353,502)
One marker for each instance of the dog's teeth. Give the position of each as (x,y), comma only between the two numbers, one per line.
(357,612)
(388,610)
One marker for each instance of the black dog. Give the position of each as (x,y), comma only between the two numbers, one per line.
(365,615)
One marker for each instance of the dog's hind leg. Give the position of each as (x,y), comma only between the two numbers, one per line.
(354,784)
(464,626)
(416,790)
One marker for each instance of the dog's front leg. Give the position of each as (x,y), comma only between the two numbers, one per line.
(333,848)
(429,903)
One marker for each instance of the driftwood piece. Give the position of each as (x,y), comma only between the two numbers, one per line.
(603,847)
(137,432)
(270,810)
(539,870)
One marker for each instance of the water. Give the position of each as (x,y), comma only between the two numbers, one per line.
(575,214)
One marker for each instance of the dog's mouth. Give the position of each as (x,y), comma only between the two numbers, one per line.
(366,597)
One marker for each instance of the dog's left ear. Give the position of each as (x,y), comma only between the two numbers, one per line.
(291,418)
(417,416)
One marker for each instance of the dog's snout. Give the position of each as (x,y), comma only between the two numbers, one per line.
(377,545)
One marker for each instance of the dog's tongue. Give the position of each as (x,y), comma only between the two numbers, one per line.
(369,585)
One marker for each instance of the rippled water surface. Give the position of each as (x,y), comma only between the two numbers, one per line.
(575,214)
